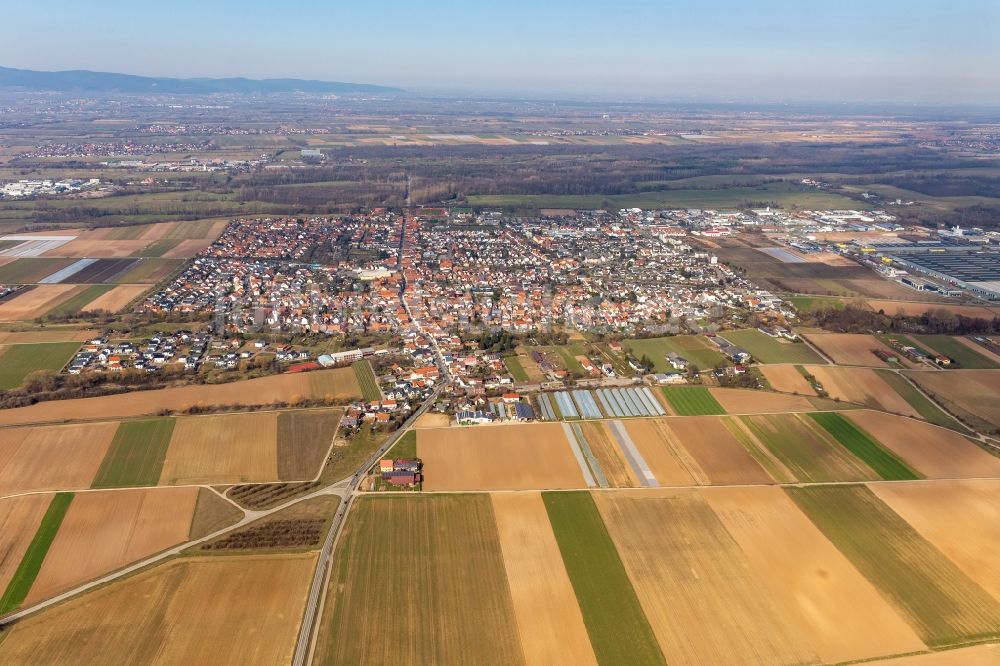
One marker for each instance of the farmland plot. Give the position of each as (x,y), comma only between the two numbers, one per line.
(670,463)
(851,348)
(718,454)
(19,519)
(863,386)
(52,457)
(229,448)
(747,401)
(973,395)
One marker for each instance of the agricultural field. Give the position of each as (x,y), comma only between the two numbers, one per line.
(299,527)
(36,302)
(544,601)
(749,401)
(804,448)
(49,334)
(239,609)
(695,348)
(367,382)
(933,451)
(19,360)
(516,368)
(19,521)
(942,603)
(965,355)
(502,457)
(923,406)
(703,600)
(148,271)
(692,401)
(619,629)
(664,452)
(30,270)
(63,457)
(766,349)
(719,456)
(80,300)
(136,454)
(861,444)
(404,568)
(863,386)
(31,562)
(260,391)
(102,532)
(116,298)
(303,439)
(972,395)
(911,309)
(787,379)
(851,348)
(228,448)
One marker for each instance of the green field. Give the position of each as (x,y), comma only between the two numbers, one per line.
(29,270)
(942,604)
(927,409)
(304,438)
(424,574)
(857,441)
(18,361)
(406,447)
(618,629)
(692,401)
(149,271)
(956,351)
(694,348)
(158,247)
(766,349)
(809,303)
(79,301)
(515,368)
(367,380)
(784,194)
(806,452)
(31,563)
(136,454)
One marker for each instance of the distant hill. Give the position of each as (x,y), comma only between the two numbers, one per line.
(100,82)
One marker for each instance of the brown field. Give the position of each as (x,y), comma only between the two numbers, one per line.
(717,452)
(52,457)
(336,384)
(19,520)
(977,655)
(961,518)
(863,386)
(117,298)
(934,452)
(260,391)
(748,401)
(787,379)
(841,614)
(187,248)
(107,530)
(47,335)
(227,448)
(911,309)
(850,348)
(508,457)
(702,598)
(85,247)
(663,452)
(973,393)
(37,301)
(218,610)
(618,473)
(545,604)
(432,420)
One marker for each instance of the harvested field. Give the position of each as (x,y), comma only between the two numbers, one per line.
(19,361)
(508,457)
(260,391)
(911,309)
(52,457)
(19,520)
(692,401)
(851,348)
(934,452)
(48,335)
(941,602)
(427,571)
(105,531)
(806,449)
(977,655)
(117,298)
(618,628)
(335,384)
(101,271)
(766,349)
(545,604)
(84,248)
(841,614)
(864,447)
(36,301)
(749,401)
(666,456)
(304,438)
(618,473)
(136,454)
(704,600)
(787,379)
(228,448)
(226,610)
(432,420)
(972,395)
(719,455)
(960,518)
(863,386)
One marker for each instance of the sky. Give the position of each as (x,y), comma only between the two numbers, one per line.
(942,52)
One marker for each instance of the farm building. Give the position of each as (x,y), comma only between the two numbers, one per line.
(401,471)
(473,417)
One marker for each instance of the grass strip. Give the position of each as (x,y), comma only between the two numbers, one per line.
(367,380)
(927,409)
(31,563)
(692,401)
(857,441)
(618,629)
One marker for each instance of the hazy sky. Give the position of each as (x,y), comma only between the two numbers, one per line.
(851,50)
